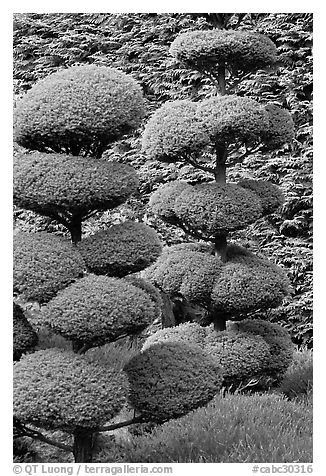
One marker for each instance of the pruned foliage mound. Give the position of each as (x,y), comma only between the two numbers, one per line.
(152,292)
(270,195)
(56,389)
(168,380)
(24,336)
(78,110)
(239,50)
(99,309)
(48,183)
(280,126)
(122,249)
(210,208)
(162,201)
(44,264)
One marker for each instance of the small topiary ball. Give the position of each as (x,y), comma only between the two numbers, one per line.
(162,201)
(43,264)
(174,131)
(280,127)
(230,119)
(25,338)
(57,389)
(270,195)
(242,356)
(122,249)
(239,50)
(169,380)
(79,110)
(209,209)
(247,283)
(98,309)
(49,183)
(190,274)
(189,333)
(151,291)
(280,345)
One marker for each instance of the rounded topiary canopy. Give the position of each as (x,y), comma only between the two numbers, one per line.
(79,110)
(280,126)
(241,284)
(209,209)
(189,333)
(151,291)
(56,183)
(57,389)
(169,380)
(162,201)
(270,195)
(43,264)
(25,338)
(122,249)
(279,340)
(247,283)
(238,50)
(98,309)
(190,274)
(175,130)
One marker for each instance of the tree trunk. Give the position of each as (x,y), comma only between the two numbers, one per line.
(168,319)
(83,446)
(75,229)
(220,245)
(221,78)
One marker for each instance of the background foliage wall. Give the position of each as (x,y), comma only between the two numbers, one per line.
(138,44)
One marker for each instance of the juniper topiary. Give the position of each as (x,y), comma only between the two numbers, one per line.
(24,336)
(88,291)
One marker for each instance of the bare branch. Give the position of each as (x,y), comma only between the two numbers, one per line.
(36,435)
(115,426)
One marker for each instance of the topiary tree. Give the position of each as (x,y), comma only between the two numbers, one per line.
(227,280)
(24,336)
(89,292)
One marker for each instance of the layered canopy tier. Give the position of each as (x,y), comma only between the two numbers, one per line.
(237,50)
(210,209)
(183,130)
(242,284)
(78,110)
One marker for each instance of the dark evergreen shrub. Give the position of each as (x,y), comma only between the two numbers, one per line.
(24,336)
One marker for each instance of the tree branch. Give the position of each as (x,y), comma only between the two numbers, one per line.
(115,426)
(36,435)
(194,163)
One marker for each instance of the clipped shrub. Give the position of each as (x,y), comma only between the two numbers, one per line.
(189,333)
(152,292)
(298,379)
(174,131)
(232,429)
(279,342)
(240,50)
(43,264)
(48,183)
(56,389)
(168,380)
(270,195)
(122,249)
(162,201)
(99,309)
(280,126)
(247,282)
(24,336)
(191,274)
(232,118)
(78,110)
(212,208)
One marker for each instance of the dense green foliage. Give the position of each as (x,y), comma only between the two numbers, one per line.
(78,111)
(239,50)
(121,250)
(271,197)
(168,380)
(99,309)
(298,379)
(56,389)
(44,264)
(233,429)
(24,336)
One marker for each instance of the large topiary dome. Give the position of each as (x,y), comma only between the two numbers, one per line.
(99,309)
(57,389)
(44,264)
(79,110)
(280,126)
(58,183)
(168,380)
(24,336)
(122,249)
(238,50)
